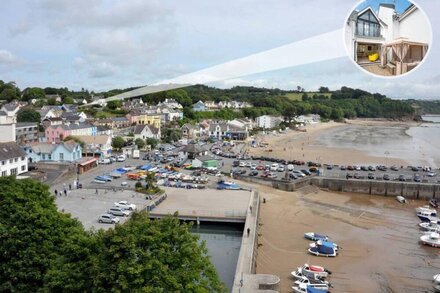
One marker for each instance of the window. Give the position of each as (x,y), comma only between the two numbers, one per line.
(4,173)
(61,157)
(22,158)
(49,157)
(10,161)
(14,171)
(23,168)
(15,159)
(3,162)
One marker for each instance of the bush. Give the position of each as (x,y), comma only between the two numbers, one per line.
(138,185)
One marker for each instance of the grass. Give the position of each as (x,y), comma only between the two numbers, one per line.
(297,96)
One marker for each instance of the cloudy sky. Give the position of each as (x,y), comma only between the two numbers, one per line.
(104,44)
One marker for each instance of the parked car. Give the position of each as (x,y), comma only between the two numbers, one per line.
(274,167)
(329,167)
(235,163)
(394,168)
(343,168)
(281,169)
(120,212)
(356,176)
(307,172)
(260,167)
(370,176)
(292,176)
(431,174)
(401,177)
(108,219)
(290,167)
(253,166)
(242,164)
(126,205)
(386,177)
(253,173)
(105,161)
(298,173)
(121,158)
(371,168)
(417,178)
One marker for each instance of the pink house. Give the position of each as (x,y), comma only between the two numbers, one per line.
(57,133)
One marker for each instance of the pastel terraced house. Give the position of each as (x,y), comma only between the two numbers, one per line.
(57,133)
(66,151)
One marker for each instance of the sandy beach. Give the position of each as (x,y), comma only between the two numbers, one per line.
(354,142)
(379,239)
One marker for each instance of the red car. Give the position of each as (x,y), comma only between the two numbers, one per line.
(260,167)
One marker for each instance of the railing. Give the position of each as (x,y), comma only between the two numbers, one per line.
(201,213)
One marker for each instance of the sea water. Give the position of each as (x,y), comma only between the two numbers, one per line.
(223,242)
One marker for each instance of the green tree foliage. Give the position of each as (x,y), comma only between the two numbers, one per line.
(152,142)
(118,142)
(68,100)
(28,115)
(140,143)
(9,91)
(171,134)
(323,90)
(42,250)
(113,105)
(33,93)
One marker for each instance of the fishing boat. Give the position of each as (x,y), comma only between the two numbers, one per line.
(321,271)
(426,215)
(433,203)
(305,288)
(431,239)
(432,226)
(401,199)
(323,248)
(315,236)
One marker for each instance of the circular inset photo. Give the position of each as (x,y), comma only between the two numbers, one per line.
(387,38)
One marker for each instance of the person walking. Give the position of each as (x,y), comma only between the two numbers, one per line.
(70,186)
(248,231)
(56,193)
(65,192)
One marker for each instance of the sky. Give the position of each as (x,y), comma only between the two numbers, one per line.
(400,5)
(105,44)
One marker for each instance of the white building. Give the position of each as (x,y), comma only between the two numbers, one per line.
(397,42)
(144,131)
(268,122)
(8,122)
(13,160)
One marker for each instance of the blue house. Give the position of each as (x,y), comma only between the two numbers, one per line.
(68,151)
(199,106)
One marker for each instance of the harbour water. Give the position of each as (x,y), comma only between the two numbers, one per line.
(223,242)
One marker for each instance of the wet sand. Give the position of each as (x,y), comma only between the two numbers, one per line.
(379,239)
(355,142)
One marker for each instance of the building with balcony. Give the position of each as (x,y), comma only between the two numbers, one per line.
(26,132)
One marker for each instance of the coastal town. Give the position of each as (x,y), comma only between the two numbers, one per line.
(101,170)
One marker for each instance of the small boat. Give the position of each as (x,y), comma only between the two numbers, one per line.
(300,273)
(433,203)
(426,215)
(321,271)
(315,236)
(436,288)
(310,281)
(309,288)
(401,199)
(431,239)
(430,226)
(323,248)
(436,279)
(426,208)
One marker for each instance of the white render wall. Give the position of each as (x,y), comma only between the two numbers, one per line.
(415,27)
(8,166)
(7,132)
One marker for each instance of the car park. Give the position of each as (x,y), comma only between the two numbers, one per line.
(108,219)
(119,212)
(124,204)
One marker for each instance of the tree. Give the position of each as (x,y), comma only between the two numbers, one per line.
(33,93)
(32,234)
(68,100)
(8,94)
(118,142)
(28,115)
(152,142)
(323,90)
(140,143)
(113,105)
(289,113)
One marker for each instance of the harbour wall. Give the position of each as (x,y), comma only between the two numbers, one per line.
(413,190)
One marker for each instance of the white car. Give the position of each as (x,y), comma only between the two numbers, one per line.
(242,164)
(298,173)
(125,205)
(120,212)
(274,167)
(290,167)
(253,166)
(281,169)
(108,219)
(121,158)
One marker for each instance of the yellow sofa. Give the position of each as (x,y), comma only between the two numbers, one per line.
(373,57)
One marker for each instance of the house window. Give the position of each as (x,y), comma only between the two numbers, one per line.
(49,157)
(15,159)
(14,171)
(61,157)
(22,158)
(23,168)
(3,162)
(10,161)
(44,156)
(4,173)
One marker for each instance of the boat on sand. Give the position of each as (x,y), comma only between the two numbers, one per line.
(431,239)
(323,248)
(315,236)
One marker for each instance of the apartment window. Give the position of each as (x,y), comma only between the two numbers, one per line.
(4,173)
(61,157)
(23,168)
(3,162)
(14,171)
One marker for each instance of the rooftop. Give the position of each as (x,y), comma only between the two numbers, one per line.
(9,150)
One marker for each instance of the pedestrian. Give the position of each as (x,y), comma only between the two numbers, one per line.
(96,191)
(70,186)
(56,192)
(248,231)
(65,192)
(264,200)
(250,209)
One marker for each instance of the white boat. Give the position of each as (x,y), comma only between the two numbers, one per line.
(300,273)
(311,281)
(436,279)
(426,208)
(320,271)
(431,239)
(315,236)
(432,226)
(436,288)
(306,288)
(401,199)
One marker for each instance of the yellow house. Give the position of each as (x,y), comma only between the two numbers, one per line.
(144,118)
